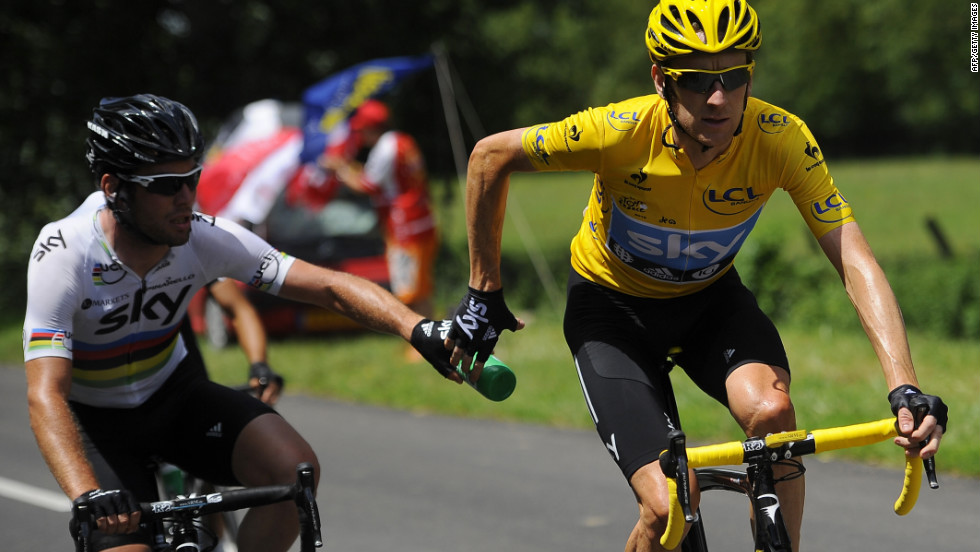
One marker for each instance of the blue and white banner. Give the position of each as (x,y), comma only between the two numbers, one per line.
(330,102)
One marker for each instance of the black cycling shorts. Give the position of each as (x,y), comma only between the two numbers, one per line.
(190,422)
(619,343)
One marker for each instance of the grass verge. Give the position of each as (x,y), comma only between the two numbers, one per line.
(836,381)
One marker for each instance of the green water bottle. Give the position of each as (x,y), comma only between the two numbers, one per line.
(173,479)
(496,382)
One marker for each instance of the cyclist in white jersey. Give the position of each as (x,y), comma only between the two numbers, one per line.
(110,380)
(680,178)
(248,326)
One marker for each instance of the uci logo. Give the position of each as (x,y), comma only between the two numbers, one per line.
(107,274)
(773,123)
(267,271)
(623,121)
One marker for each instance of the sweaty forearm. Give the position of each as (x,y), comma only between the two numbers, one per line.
(60,445)
(491,163)
(873,299)
(881,317)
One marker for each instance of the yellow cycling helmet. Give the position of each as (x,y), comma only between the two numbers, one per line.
(680,27)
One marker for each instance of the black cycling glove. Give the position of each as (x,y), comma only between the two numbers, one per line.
(262,372)
(109,503)
(911,397)
(478,322)
(428,338)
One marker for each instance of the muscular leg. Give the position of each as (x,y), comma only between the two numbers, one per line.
(266,453)
(758,396)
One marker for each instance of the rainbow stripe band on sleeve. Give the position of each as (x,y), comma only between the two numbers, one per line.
(47,339)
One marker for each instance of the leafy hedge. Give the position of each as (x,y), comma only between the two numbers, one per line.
(937,296)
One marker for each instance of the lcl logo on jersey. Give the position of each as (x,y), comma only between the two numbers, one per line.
(538,142)
(623,121)
(773,123)
(731,201)
(833,209)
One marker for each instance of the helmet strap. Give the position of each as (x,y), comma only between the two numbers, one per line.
(670,99)
(124,217)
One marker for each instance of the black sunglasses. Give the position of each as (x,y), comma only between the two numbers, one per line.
(165,184)
(701,81)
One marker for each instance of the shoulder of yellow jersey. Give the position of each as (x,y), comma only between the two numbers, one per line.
(593,130)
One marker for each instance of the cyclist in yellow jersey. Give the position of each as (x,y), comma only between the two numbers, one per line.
(681,177)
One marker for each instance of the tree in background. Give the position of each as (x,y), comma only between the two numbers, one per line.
(871,78)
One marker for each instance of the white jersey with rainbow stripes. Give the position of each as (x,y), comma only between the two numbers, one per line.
(121,331)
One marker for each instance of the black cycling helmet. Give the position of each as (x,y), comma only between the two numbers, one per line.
(134,131)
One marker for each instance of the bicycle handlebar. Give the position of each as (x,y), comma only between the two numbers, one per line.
(300,492)
(775,446)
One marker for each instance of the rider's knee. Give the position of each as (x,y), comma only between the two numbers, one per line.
(772,413)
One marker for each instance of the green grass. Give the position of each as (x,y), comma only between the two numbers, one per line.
(836,378)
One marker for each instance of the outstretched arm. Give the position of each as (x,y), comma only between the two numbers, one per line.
(878,310)
(356,298)
(368,304)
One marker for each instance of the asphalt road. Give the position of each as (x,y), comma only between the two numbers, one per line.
(398,481)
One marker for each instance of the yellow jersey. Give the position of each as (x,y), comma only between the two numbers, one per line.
(657,227)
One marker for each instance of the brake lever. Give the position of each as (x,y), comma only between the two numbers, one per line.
(677,463)
(306,503)
(929,464)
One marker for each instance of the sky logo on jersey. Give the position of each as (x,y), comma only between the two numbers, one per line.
(623,121)
(833,209)
(46,245)
(48,339)
(669,255)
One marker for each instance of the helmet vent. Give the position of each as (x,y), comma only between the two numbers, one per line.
(669,25)
(723,19)
(697,26)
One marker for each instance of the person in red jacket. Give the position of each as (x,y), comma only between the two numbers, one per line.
(394,176)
